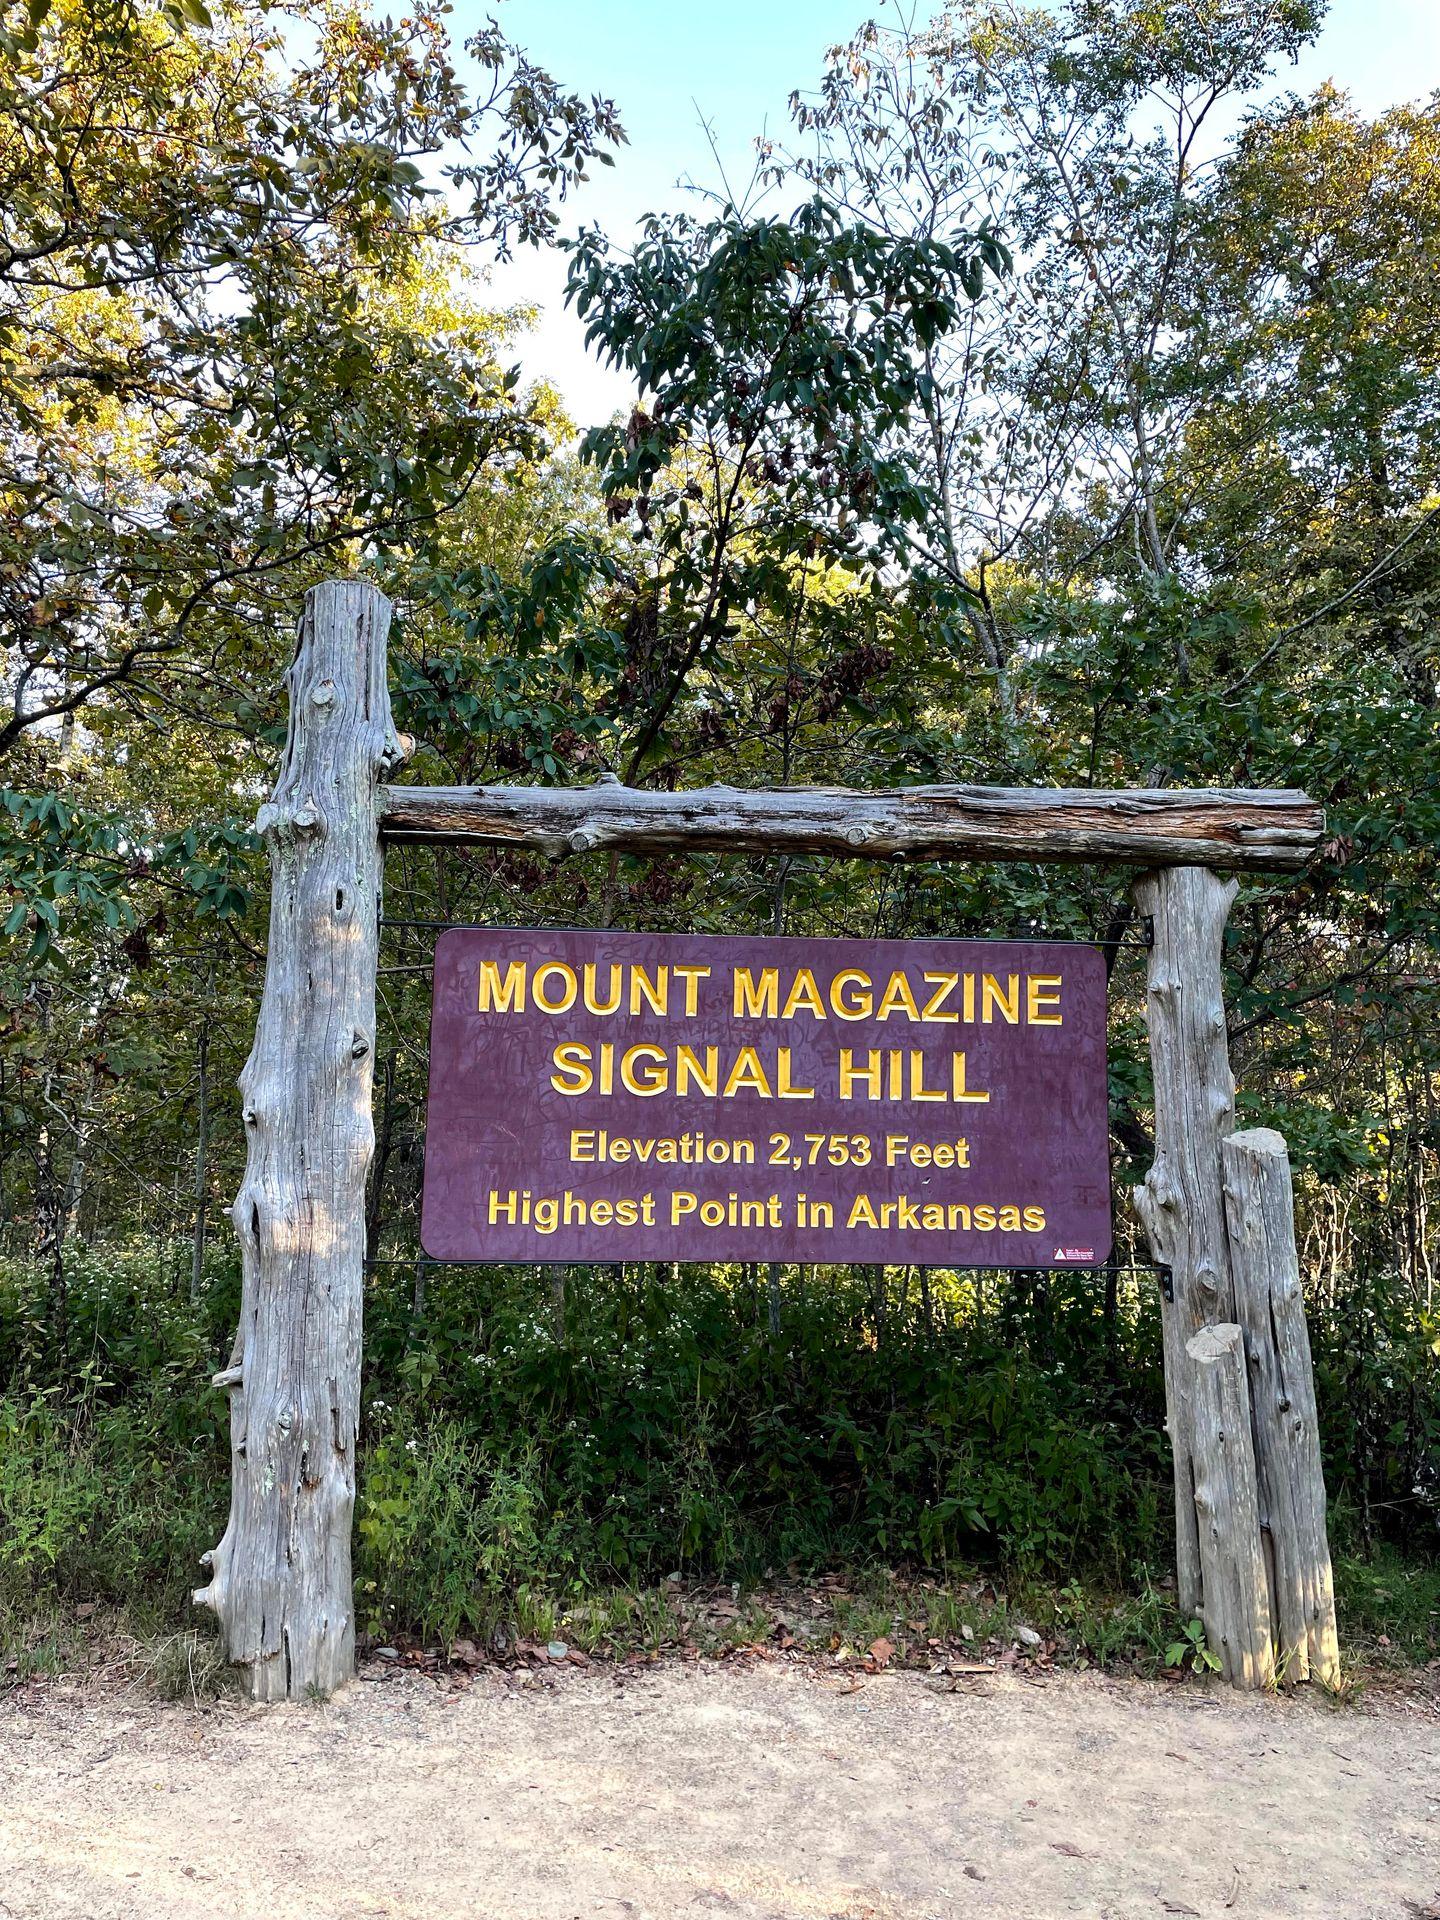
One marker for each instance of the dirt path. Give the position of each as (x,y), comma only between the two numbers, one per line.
(753,1793)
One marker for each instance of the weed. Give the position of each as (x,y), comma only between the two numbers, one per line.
(1193,1647)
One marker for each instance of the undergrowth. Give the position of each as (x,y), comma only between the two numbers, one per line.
(535,1462)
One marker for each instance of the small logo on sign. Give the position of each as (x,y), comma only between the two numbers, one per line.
(1074,1253)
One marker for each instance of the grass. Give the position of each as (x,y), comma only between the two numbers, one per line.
(1389,1608)
(515,1485)
(1389,1625)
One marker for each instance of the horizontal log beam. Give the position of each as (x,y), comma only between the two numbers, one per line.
(1254,829)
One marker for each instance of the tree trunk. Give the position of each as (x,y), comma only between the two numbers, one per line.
(1271,1308)
(280,1582)
(1181,1199)
(1236,1606)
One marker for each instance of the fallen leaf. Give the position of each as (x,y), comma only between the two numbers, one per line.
(1179,1906)
(881,1650)
(1069,1848)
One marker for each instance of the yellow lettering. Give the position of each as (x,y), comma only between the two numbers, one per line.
(958,1089)
(842,1009)
(656,991)
(754,998)
(1007,1001)
(656,1078)
(747,1072)
(1035,999)
(502,996)
(918,1088)
(572,1058)
(783,1087)
(897,997)
(688,1068)
(692,976)
(804,993)
(593,1001)
(944,984)
(850,1073)
(570,986)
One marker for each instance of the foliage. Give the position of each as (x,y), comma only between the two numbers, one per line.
(237,342)
(1078,427)
(515,1472)
(1192,1647)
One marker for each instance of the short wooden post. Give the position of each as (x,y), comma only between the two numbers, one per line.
(280,1581)
(1270,1306)
(1236,1603)
(1181,1200)
(1218,1210)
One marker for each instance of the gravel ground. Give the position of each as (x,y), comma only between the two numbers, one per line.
(753,1791)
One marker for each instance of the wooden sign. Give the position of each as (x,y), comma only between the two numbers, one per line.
(600,1096)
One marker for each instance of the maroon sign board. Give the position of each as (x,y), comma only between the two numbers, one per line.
(604,1096)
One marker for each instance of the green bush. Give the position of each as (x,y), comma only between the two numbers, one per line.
(522,1451)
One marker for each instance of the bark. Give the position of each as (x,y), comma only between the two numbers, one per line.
(1241,828)
(280,1582)
(1236,1607)
(1270,1307)
(1181,1199)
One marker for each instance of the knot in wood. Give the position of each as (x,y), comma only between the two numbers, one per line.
(579,841)
(857,836)
(359,1047)
(322,693)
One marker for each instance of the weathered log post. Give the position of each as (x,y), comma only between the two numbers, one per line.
(280,1580)
(1270,1306)
(1181,1201)
(1232,1561)
(1251,1552)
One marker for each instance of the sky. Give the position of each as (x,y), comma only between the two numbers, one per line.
(678,67)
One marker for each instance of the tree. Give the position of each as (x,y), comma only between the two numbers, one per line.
(779,362)
(236,344)
(1082,133)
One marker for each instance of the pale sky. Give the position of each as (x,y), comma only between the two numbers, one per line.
(673,68)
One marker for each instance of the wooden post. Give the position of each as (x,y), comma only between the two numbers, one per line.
(1236,1605)
(280,1581)
(1218,1210)
(1270,1307)
(1253,828)
(1181,1200)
